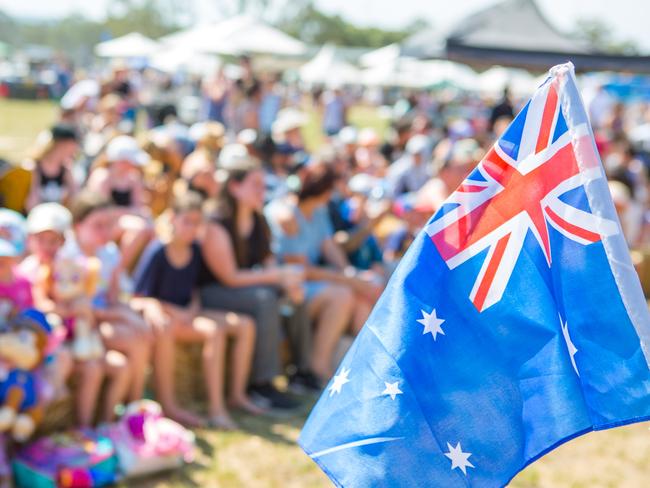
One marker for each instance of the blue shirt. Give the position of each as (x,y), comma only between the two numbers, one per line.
(309,239)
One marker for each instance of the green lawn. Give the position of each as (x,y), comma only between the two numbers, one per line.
(20,122)
(264,453)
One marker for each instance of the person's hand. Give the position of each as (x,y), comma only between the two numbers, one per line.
(364,283)
(293,279)
(155,315)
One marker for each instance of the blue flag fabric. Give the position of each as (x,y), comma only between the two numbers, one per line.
(514,323)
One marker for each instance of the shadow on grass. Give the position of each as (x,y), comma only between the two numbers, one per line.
(270,426)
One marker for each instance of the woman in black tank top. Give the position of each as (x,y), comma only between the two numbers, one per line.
(51,176)
(239,273)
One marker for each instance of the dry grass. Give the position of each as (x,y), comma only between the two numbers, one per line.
(265,455)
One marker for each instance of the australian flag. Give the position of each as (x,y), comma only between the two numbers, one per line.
(514,323)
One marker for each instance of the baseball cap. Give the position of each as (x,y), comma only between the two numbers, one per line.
(417,144)
(368,137)
(126,148)
(288,119)
(348,135)
(363,183)
(247,136)
(235,157)
(49,216)
(12,233)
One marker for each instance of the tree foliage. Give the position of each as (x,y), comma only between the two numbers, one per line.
(597,34)
(76,35)
(313,26)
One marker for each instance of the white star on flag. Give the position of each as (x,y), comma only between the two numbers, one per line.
(569,344)
(459,459)
(339,380)
(392,389)
(431,323)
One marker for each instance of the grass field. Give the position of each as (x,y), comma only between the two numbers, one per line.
(265,455)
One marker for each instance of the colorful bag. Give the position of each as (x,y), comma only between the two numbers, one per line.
(146,442)
(75,459)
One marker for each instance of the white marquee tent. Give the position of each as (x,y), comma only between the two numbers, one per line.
(328,69)
(238,35)
(133,45)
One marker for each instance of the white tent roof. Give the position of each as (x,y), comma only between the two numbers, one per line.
(133,45)
(238,35)
(181,59)
(380,56)
(413,73)
(495,79)
(328,69)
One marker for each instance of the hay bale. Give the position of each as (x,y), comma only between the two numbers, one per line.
(59,416)
(188,374)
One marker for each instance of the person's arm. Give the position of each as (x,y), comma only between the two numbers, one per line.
(70,184)
(352,240)
(219,257)
(33,198)
(334,255)
(138,195)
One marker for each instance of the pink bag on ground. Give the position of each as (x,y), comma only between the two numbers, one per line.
(146,442)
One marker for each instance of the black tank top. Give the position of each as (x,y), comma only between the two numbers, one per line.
(56,179)
(51,187)
(122,198)
(249,252)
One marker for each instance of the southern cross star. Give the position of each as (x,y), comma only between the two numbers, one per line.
(392,389)
(459,459)
(339,380)
(431,323)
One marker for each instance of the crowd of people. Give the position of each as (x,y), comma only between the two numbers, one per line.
(230,233)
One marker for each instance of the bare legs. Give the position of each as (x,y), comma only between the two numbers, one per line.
(212,329)
(332,311)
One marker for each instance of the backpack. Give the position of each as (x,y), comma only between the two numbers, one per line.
(75,459)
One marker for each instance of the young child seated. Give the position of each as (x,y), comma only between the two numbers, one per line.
(15,291)
(47,225)
(172,307)
(121,328)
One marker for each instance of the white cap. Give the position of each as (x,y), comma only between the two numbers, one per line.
(247,136)
(363,183)
(125,148)
(417,144)
(368,137)
(348,135)
(288,119)
(49,216)
(80,91)
(235,157)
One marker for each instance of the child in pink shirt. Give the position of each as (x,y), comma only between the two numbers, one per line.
(15,291)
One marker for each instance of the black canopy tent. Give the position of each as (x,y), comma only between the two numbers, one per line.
(516,33)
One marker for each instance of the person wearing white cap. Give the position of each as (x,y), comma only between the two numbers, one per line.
(51,166)
(413,169)
(47,225)
(120,182)
(286,129)
(15,290)
(121,178)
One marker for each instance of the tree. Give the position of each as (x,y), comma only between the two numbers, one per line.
(598,34)
(151,18)
(311,25)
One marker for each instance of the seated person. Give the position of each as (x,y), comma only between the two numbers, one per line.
(171,305)
(47,225)
(338,300)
